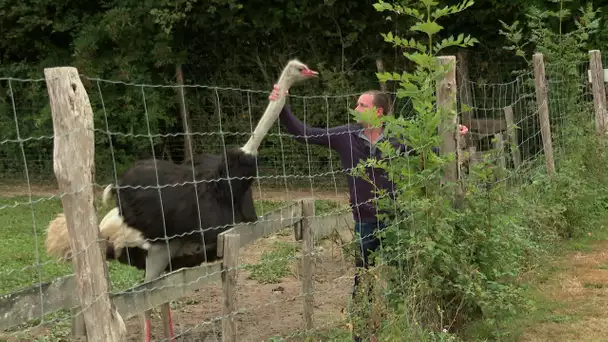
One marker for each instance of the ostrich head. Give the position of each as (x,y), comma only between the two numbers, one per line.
(295,71)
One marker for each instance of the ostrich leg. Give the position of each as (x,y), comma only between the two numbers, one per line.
(156,262)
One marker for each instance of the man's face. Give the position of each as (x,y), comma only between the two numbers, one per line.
(366,102)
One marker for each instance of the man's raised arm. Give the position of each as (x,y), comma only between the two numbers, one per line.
(313,135)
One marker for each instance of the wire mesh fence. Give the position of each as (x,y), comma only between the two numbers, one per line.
(297,252)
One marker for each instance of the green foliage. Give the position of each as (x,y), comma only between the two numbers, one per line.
(559,48)
(569,200)
(451,266)
(228,43)
(444,258)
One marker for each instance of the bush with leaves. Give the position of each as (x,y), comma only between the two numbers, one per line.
(450,266)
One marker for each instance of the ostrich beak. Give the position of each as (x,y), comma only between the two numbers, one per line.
(309,73)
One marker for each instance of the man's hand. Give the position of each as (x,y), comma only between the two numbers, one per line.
(462,129)
(274,95)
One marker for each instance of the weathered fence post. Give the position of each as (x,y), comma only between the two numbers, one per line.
(73,164)
(473,156)
(512,137)
(79,328)
(464,88)
(599,93)
(542,102)
(499,146)
(308,212)
(232,244)
(446,98)
(165,312)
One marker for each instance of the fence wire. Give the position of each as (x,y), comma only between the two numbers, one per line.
(131,123)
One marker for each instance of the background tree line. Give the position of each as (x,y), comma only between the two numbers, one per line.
(223,43)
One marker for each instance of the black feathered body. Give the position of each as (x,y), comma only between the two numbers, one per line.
(221,203)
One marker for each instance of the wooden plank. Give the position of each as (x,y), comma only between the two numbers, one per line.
(446,99)
(166,288)
(267,225)
(79,328)
(73,165)
(229,286)
(27,304)
(323,226)
(165,313)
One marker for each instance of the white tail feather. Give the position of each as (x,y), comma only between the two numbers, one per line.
(113,228)
(107,194)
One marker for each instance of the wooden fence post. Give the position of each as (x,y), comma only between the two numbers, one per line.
(79,328)
(73,164)
(599,94)
(501,163)
(542,102)
(512,137)
(464,88)
(446,98)
(473,156)
(308,212)
(232,244)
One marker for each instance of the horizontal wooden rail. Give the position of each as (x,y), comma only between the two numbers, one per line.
(36,301)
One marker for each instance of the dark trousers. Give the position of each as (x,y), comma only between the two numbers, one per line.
(367,242)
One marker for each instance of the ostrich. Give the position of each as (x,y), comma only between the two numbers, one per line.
(191,200)
(127,245)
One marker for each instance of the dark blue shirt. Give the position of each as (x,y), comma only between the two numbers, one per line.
(352,146)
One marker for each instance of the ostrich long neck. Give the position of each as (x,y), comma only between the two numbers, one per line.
(268,118)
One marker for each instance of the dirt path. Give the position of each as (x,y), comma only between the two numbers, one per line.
(572,298)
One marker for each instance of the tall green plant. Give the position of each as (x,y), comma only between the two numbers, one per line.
(438,276)
(566,56)
(447,266)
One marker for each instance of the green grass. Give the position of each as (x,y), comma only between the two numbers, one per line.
(334,334)
(543,307)
(22,243)
(23,259)
(274,264)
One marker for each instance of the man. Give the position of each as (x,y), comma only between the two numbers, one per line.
(353,143)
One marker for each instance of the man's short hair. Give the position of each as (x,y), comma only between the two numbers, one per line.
(381,100)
